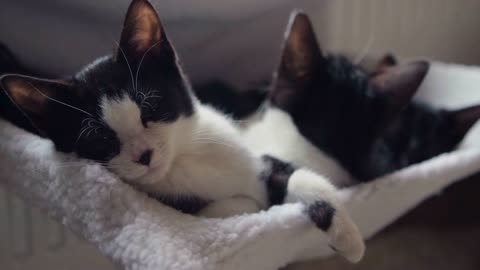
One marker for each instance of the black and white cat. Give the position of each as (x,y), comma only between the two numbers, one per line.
(135,113)
(330,115)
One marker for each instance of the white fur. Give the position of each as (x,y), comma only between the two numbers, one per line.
(307,187)
(139,233)
(273,132)
(199,155)
(208,158)
(122,115)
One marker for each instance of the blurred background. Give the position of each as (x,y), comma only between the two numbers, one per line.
(62,36)
(240,41)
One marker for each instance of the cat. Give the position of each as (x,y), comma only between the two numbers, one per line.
(366,122)
(342,120)
(134,112)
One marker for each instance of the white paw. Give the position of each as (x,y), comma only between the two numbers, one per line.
(343,235)
(319,196)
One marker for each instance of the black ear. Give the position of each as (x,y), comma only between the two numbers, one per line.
(464,119)
(143,36)
(300,61)
(386,62)
(399,84)
(52,106)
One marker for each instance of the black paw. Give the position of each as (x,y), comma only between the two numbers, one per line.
(321,213)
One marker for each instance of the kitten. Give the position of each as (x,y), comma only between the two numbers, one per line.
(332,116)
(419,132)
(135,113)
(366,122)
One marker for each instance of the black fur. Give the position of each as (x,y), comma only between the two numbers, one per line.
(82,130)
(276,175)
(419,133)
(342,113)
(365,120)
(224,97)
(321,213)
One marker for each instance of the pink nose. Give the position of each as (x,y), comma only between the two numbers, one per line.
(145,157)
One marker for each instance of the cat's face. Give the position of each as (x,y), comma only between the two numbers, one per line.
(335,104)
(422,132)
(128,111)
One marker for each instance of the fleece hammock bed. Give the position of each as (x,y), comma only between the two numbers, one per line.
(137,232)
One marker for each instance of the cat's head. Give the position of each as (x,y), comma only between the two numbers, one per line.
(430,131)
(334,103)
(422,131)
(128,111)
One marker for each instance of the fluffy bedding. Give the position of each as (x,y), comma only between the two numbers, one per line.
(137,232)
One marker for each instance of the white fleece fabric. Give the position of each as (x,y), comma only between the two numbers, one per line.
(137,232)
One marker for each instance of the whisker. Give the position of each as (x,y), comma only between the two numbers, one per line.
(141,61)
(128,64)
(60,102)
(152,96)
(147,104)
(140,94)
(80,135)
(90,132)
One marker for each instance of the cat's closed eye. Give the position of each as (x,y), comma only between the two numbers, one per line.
(150,109)
(98,143)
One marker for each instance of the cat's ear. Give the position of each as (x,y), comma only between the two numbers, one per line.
(464,119)
(301,59)
(143,36)
(33,95)
(399,84)
(386,62)
(44,102)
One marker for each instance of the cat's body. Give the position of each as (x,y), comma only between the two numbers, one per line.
(134,112)
(337,118)
(349,137)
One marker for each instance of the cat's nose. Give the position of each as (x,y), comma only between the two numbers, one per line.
(145,157)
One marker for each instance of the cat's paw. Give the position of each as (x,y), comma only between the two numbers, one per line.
(318,194)
(343,234)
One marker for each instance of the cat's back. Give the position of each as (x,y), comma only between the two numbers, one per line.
(272,132)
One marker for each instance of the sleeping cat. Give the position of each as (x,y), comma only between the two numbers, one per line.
(365,121)
(134,112)
(326,113)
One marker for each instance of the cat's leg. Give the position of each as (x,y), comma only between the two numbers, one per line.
(230,207)
(319,196)
(286,183)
